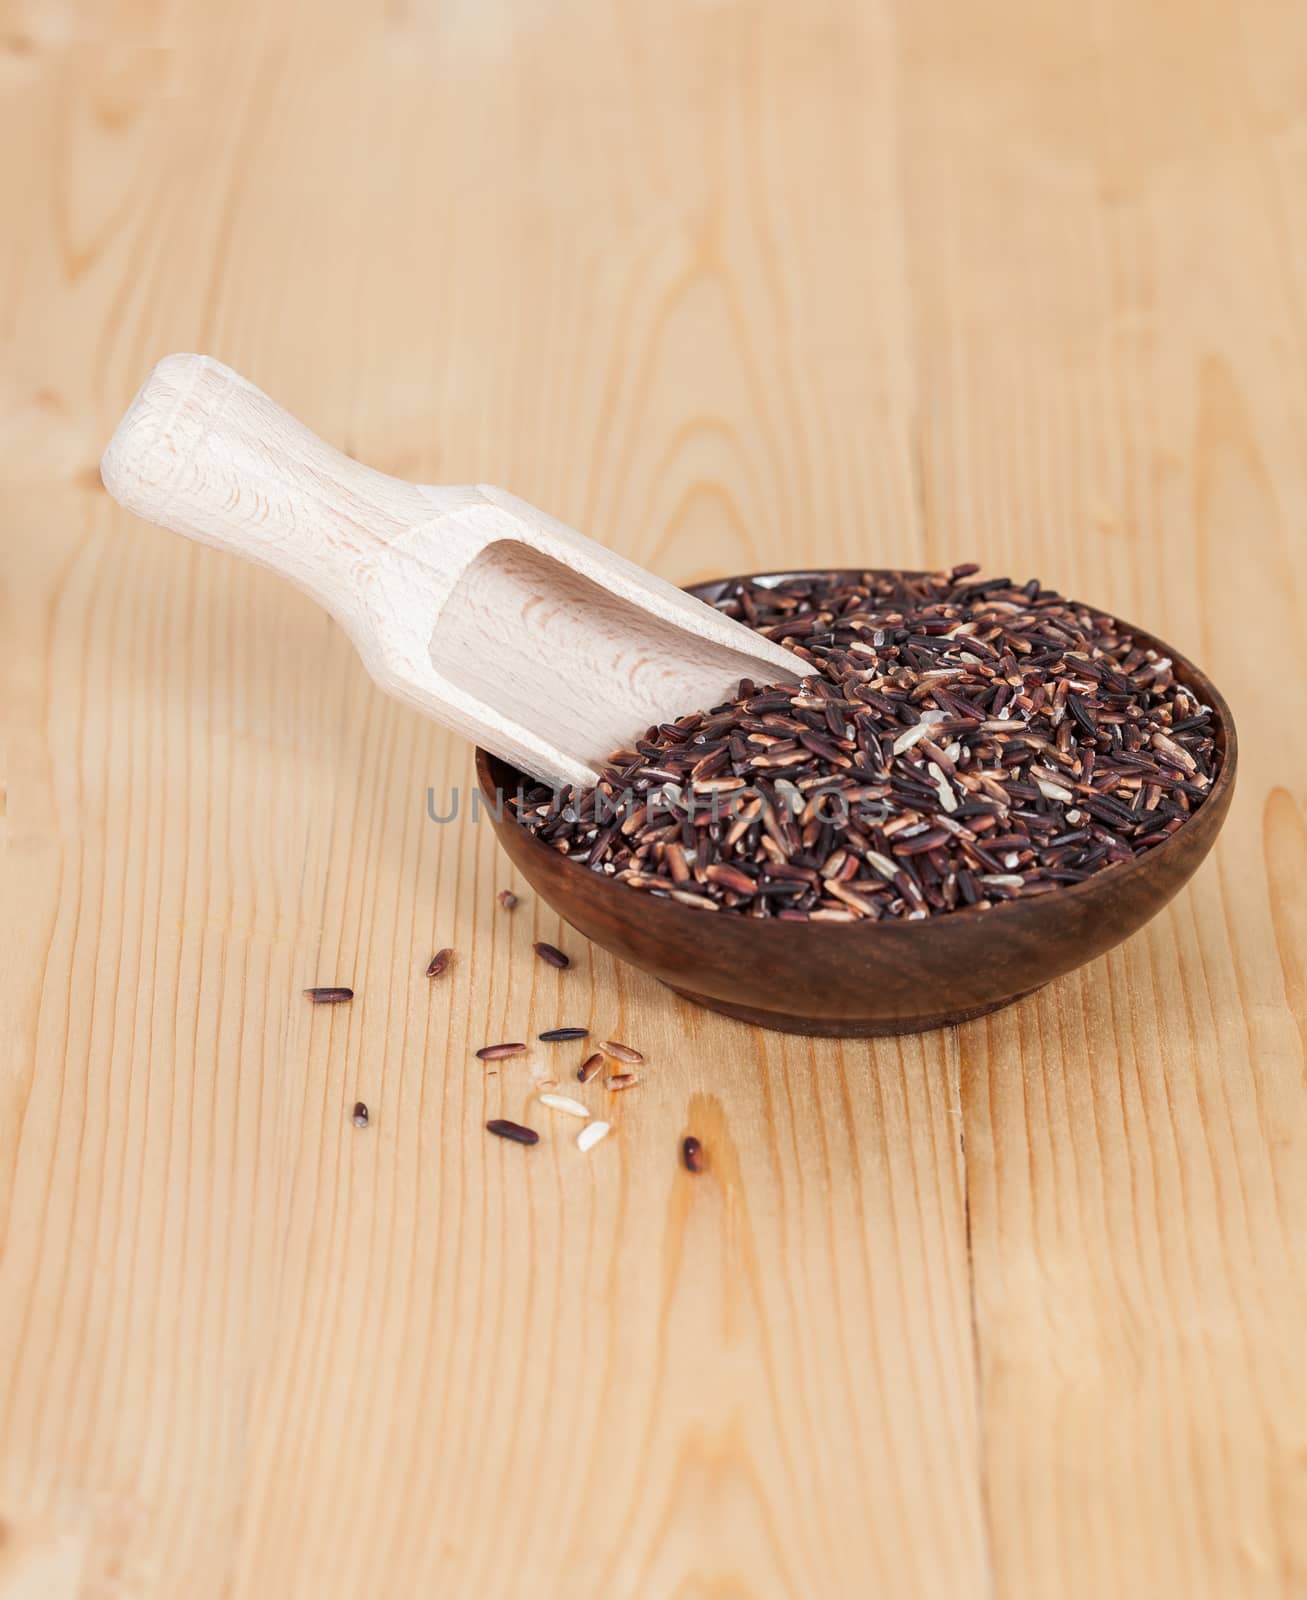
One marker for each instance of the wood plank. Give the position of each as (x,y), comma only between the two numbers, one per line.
(249,1349)
(1105,228)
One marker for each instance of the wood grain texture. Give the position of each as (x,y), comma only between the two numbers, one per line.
(1012,1311)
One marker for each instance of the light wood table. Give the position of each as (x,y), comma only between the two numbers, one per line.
(1017,1310)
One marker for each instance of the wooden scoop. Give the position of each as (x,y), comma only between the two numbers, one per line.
(466,602)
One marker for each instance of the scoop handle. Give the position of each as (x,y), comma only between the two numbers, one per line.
(203,452)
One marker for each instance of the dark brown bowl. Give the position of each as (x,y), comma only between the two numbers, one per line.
(874,977)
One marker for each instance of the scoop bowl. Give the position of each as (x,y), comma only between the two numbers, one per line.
(871,978)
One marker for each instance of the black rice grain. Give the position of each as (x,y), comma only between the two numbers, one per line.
(512,1130)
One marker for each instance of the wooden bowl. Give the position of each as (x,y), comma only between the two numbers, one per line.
(867,978)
